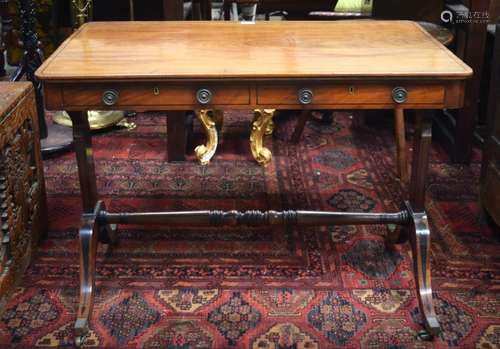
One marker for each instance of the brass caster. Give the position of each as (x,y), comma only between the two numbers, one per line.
(424,336)
(396,235)
(80,341)
(98,119)
(392,236)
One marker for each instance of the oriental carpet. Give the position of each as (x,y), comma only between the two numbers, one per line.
(261,288)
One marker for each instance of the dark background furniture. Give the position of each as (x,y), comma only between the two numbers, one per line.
(173,9)
(155,10)
(422,10)
(456,129)
(6,25)
(296,9)
(490,171)
(23,216)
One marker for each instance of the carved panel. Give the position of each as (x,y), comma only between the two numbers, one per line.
(22,193)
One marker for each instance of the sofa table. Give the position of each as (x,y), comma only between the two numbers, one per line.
(181,66)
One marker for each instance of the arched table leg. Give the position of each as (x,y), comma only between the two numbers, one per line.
(419,232)
(89,233)
(420,239)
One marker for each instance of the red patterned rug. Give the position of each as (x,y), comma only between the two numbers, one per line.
(261,288)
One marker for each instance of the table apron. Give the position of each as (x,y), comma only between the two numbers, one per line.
(162,96)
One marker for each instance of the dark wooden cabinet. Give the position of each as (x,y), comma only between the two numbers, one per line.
(490,174)
(23,216)
(151,10)
(296,9)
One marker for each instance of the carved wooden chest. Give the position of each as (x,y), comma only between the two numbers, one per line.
(23,216)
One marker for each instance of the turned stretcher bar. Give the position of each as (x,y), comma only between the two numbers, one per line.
(252,218)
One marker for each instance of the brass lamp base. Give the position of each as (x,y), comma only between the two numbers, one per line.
(98,119)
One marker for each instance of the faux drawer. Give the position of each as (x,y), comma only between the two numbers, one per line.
(128,95)
(329,94)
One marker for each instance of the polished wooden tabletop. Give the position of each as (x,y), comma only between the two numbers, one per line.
(277,49)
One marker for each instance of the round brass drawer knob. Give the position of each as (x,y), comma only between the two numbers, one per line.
(110,97)
(399,95)
(204,96)
(305,96)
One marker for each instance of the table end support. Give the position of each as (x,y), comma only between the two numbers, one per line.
(420,241)
(89,236)
(96,227)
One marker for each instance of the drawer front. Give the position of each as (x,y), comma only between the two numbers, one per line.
(330,94)
(129,95)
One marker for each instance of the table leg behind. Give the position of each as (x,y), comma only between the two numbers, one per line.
(420,162)
(399,130)
(419,230)
(176,135)
(301,123)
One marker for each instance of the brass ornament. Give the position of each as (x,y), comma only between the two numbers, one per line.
(205,152)
(98,119)
(82,10)
(262,119)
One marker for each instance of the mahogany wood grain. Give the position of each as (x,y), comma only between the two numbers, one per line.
(162,50)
